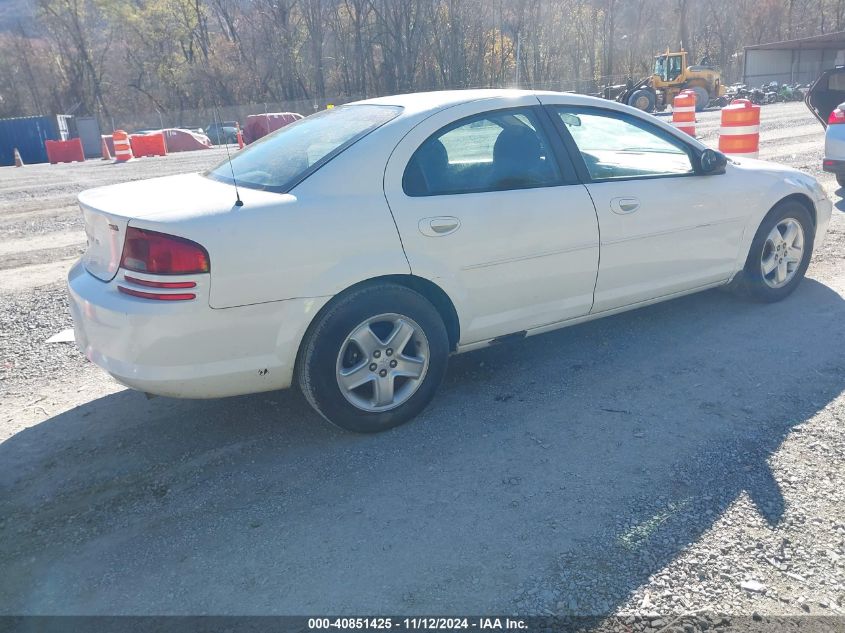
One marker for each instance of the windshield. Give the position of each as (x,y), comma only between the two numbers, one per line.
(284,158)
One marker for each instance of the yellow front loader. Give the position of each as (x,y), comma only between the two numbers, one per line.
(671,75)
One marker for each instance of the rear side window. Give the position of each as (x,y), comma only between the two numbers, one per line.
(494,151)
(836,81)
(282,159)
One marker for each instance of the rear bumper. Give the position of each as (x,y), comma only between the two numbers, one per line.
(187,349)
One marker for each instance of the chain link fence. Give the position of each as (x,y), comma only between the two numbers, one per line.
(194,118)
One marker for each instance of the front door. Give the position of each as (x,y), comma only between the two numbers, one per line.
(487,210)
(664,229)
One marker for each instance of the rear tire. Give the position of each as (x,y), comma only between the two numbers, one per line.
(840,179)
(355,369)
(771,272)
(702,98)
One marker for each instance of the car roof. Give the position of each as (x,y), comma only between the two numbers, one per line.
(419,105)
(435,100)
(421,102)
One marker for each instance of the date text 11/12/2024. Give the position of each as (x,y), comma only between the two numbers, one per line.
(418,623)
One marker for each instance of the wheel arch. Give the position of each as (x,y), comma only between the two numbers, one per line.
(438,298)
(427,288)
(796,197)
(802,199)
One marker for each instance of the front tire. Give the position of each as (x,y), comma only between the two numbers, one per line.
(642,100)
(779,255)
(374,359)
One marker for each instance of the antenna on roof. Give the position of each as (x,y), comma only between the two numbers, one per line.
(238,201)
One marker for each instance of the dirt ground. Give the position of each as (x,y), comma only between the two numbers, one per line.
(683,458)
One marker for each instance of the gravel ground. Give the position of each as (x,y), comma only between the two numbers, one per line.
(679,460)
(26,321)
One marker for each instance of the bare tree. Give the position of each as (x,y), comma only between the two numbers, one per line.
(179,55)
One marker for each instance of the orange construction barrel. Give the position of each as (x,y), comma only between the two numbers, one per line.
(739,134)
(683,112)
(240,136)
(122,148)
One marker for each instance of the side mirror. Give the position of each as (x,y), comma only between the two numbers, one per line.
(572,120)
(712,162)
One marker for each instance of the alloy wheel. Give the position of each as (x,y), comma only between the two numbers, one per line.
(383,362)
(783,252)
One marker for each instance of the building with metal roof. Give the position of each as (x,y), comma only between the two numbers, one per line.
(793,61)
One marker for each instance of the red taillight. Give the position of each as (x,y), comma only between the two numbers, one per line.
(836,116)
(161,254)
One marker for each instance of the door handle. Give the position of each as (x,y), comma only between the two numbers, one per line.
(437,227)
(624,205)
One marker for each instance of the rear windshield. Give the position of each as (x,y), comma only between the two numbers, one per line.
(284,158)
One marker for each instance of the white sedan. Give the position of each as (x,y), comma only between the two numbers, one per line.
(365,244)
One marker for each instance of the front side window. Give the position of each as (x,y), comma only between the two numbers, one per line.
(494,151)
(614,147)
(283,158)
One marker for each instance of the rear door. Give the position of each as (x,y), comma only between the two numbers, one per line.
(486,209)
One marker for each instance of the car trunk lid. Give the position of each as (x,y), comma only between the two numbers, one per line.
(827,92)
(162,202)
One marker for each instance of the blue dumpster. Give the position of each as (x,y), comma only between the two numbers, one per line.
(28,135)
